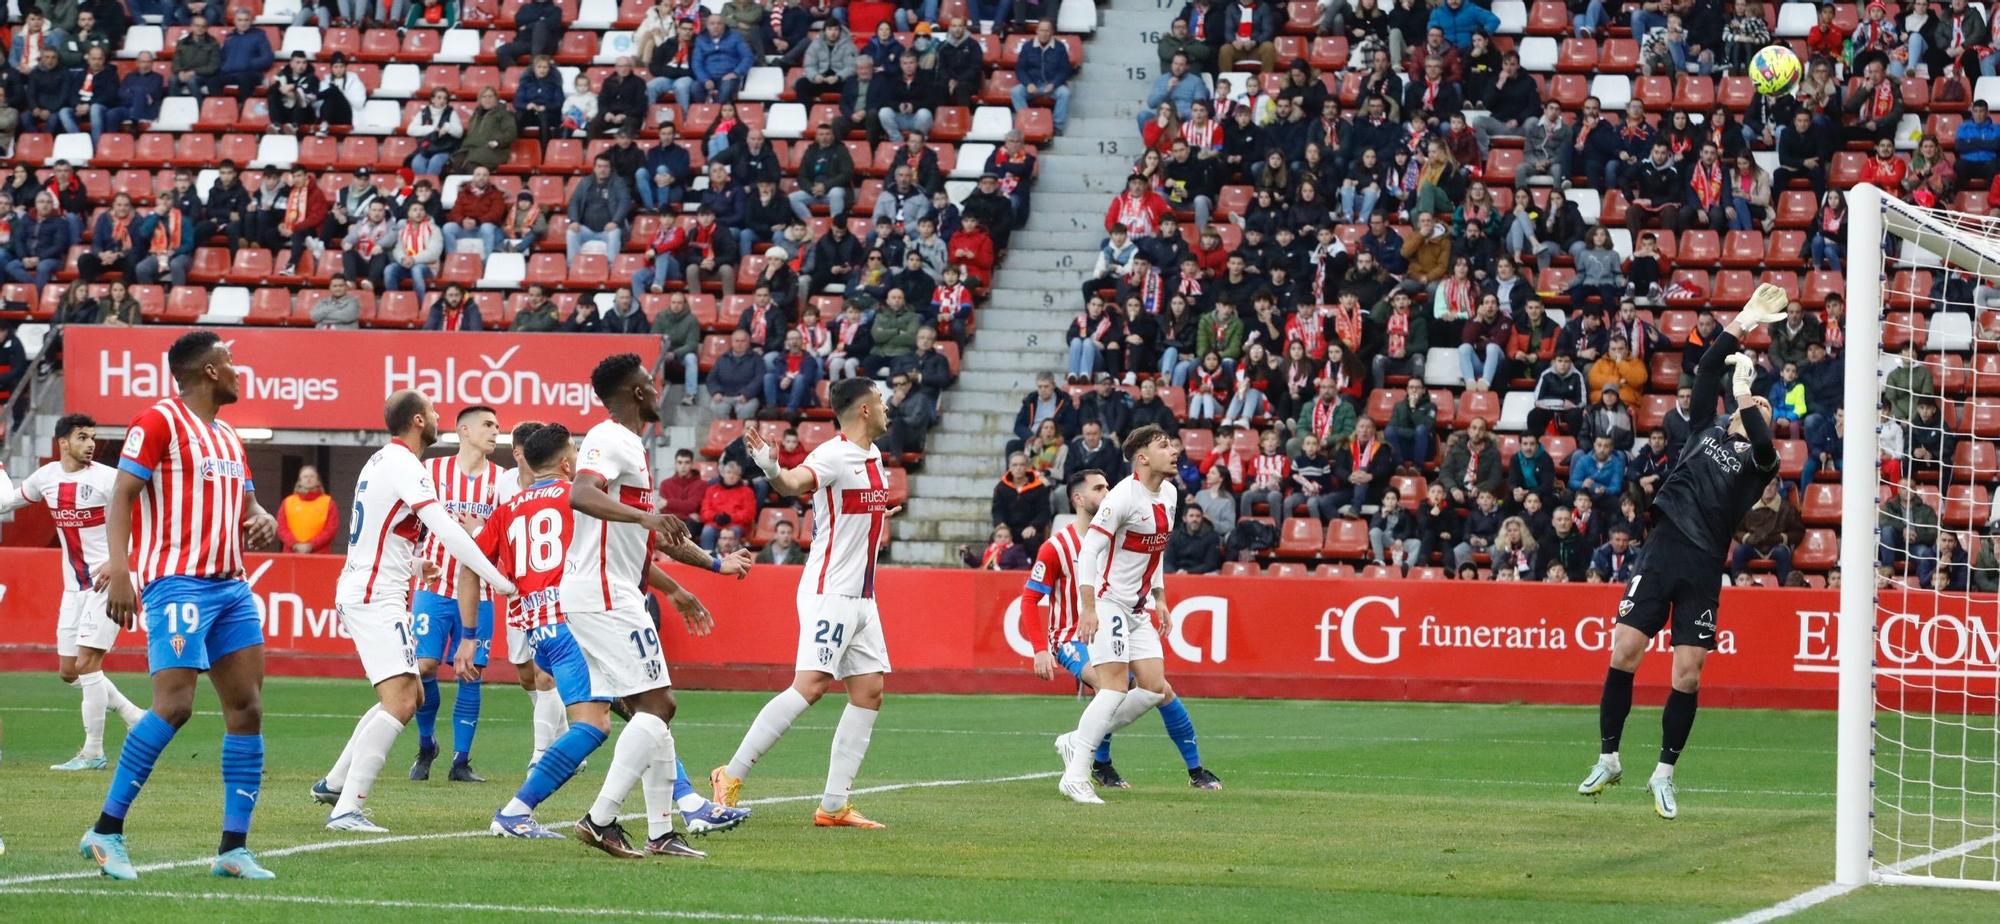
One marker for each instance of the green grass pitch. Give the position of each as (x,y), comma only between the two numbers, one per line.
(1332,811)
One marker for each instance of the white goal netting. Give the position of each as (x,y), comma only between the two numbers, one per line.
(1932,659)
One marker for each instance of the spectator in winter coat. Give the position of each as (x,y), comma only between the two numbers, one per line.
(307,519)
(480,209)
(681,493)
(1460,19)
(1771,530)
(453,311)
(1248,30)
(736,383)
(538,100)
(828,64)
(1178,84)
(1600,472)
(825,173)
(1194,547)
(729,503)
(721,62)
(246,58)
(1021,501)
(1531,471)
(1619,369)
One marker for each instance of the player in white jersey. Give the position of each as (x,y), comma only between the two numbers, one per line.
(1118,574)
(469,486)
(840,630)
(395,502)
(612,497)
(77,490)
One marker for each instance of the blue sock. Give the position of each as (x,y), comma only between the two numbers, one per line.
(559,762)
(142,748)
(681,785)
(427,716)
(1104,750)
(242,777)
(465,718)
(1181,729)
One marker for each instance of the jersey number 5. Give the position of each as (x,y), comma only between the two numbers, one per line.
(354,532)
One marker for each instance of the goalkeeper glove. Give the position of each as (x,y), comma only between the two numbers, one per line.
(1743,371)
(1766,305)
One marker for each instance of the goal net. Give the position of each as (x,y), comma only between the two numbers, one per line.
(1919,641)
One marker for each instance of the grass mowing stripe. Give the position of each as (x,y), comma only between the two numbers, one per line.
(1833,890)
(475,907)
(317,846)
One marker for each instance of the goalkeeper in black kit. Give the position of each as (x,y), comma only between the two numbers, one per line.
(1716,476)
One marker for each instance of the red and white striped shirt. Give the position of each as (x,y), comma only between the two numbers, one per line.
(470,501)
(1054,578)
(191,510)
(526,538)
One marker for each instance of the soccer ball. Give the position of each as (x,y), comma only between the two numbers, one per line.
(1774,70)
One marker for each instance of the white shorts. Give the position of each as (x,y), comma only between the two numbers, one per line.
(1122,636)
(82,622)
(841,636)
(519,650)
(622,651)
(381,637)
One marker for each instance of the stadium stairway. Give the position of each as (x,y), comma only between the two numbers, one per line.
(1035,292)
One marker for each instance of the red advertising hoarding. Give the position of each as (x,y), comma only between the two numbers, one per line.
(337,379)
(962,631)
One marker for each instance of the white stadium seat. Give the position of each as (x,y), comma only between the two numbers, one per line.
(1441,368)
(991,123)
(143,38)
(399,81)
(459,46)
(1951,332)
(177,114)
(784,121)
(971,160)
(614,45)
(1588,204)
(277,13)
(1795,20)
(1077,17)
(301,38)
(227,305)
(596,15)
(1513,16)
(1538,54)
(1612,90)
(765,84)
(504,271)
(379,117)
(1514,408)
(74,147)
(279,151)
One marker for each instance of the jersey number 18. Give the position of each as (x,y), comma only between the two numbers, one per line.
(537,541)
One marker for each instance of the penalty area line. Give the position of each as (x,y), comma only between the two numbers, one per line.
(465,907)
(6,885)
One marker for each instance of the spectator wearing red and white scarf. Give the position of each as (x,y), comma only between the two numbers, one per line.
(1139,209)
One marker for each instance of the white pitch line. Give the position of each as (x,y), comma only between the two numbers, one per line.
(1833,890)
(317,846)
(472,907)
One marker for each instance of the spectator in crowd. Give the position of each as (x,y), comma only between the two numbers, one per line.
(1043,68)
(1392,534)
(598,210)
(416,254)
(912,414)
(1613,561)
(164,242)
(1564,545)
(489,136)
(1599,472)
(1908,527)
(1002,553)
(790,382)
(737,381)
(729,503)
(1478,530)
(539,98)
(539,314)
(371,245)
(1825,391)
(1411,423)
(1021,501)
(1482,345)
(1560,394)
(893,333)
(826,171)
(1095,449)
(1609,417)
(1177,84)
(1363,467)
(1771,530)
(1618,369)
(680,343)
(1194,547)
(115,242)
(453,311)
(51,94)
(338,309)
(1948,569)
(1270,473)
(1976,144)
(829,64)
(929,370)
(1472,464)
(1248,30)
(663,183)
(538,32)
(682,492)
(1531,471)
(783,549)
(1046,402)
(439,132)
(478,214)
(244,59)
(307,520)
(910,97)
(722,61)
(41,242)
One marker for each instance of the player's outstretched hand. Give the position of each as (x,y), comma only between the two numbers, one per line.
(1766,305)
(737,563)
(463,663)
(1743,371)
(1045,665)
(699,620)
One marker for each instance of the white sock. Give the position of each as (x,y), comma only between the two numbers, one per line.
(1610,760)
(772,721)
(548,718)
(1090,729)
(116,702)
(517,807)
(637,744)
(94,701)
(850,744)
(336,778)
(1137,703)
(372,742)
(658,786)
(1663,772)
(691,802)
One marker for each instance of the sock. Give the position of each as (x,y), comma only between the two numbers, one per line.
(1180,728)
(629,759)
(117,702)
(427,716)
(94,703)
(1675,724)
(1612,709)
(555,768)
(685,795)
(465,718)
(242,779)
(1103,755)
(850,744)
(1096,720)
(135,763)
(772,721)
(372,741)
(548,717)
(336,778)
(658,784)
(1135,704)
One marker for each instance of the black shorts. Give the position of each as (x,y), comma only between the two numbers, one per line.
(1673,579)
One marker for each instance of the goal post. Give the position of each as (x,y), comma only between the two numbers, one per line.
(1918,728)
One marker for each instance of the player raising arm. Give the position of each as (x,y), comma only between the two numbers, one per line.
(1054,579)
(185,472)
(1119,573)
(1678,577)
(76,489)
(840,630)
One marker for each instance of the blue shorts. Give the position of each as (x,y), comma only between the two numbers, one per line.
(1074,657)
(193,622)
(434,619)
(557,654)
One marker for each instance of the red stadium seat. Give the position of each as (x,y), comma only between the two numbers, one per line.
(1819,551)
(1346,539)
(1820,505)
(1301,538)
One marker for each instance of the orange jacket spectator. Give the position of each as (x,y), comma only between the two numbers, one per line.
(1629,374)
(307,521)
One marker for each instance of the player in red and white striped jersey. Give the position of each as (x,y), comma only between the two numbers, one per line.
(1055,579)
(840,630)
(394,506)
(469,485)
(1119,574)
(76,490)
(550,718)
